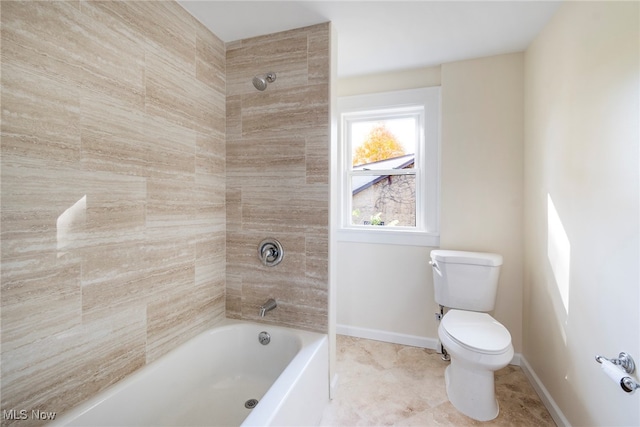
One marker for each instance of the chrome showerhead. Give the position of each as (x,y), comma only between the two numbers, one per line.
(260,83)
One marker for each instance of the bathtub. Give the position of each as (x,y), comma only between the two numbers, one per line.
(209,379)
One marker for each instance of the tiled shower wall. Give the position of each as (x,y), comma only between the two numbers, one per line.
(277,176)
(113,201)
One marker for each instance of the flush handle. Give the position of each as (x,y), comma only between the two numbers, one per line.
(435,267)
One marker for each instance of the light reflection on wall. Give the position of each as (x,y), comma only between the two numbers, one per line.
(70,220)
(558,252)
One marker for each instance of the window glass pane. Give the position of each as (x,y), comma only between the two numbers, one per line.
(374,141)
(388,200)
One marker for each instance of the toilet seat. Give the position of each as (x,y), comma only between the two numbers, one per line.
(477,332)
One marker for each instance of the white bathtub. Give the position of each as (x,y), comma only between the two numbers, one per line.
(207,381)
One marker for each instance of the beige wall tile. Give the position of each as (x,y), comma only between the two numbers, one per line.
(295,110)
(283,53)
(113,193)
(40,116)
(267,160)
(113,135)
(56,372)
(172,93)
(277,176)
(164,27)
(211,153)
(317,161)
(319,56)
(41,296)
(210,60)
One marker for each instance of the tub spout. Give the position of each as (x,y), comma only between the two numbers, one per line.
(269,305)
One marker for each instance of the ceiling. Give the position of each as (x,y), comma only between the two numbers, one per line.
(381,36)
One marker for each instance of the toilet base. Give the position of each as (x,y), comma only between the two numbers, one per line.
(471,391)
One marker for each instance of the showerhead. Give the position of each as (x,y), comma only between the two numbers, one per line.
(260,83)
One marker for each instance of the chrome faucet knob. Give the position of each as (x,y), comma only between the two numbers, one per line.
(270,252)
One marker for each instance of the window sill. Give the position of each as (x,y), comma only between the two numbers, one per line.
(388,236)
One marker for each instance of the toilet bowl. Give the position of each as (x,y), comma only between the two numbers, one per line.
(478,345)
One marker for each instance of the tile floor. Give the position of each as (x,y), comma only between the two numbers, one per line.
(390,384)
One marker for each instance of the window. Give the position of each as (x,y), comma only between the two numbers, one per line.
(389,156)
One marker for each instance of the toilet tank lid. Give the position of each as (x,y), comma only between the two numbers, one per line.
(465,257)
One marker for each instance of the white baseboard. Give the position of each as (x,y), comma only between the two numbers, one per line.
(392,337)
(547,400)
(516,359)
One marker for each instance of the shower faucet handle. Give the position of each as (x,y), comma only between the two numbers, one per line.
(270,252)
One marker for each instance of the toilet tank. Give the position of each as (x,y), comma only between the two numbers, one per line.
(466,280)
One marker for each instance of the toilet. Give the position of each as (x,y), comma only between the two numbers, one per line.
(466,284)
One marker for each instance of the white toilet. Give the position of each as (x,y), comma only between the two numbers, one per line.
(466,284)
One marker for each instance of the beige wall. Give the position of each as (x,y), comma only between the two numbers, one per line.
(385,291)
(390,81)
(481,170)
(481,204)
(582,168)
(278,176)
(113,174)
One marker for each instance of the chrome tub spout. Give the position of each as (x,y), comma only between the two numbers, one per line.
(269,305)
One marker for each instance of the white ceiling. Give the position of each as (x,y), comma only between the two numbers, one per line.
(380,36)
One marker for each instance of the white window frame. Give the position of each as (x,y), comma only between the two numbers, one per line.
(359,107)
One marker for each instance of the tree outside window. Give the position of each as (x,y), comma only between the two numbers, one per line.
(389,198)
